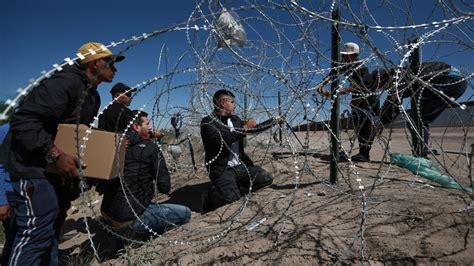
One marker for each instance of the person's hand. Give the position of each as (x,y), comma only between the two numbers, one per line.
(158,134)
(251,123)
(279,119)
(67,165)
(323,92)
(4,211)
(126,142)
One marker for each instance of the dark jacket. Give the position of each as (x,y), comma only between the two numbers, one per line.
(144,163)
(214,130)
(114,118)
(360,79)
(66,97)
(434,73)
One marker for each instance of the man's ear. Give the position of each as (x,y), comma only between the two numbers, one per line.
(220,103)
(135,127)
(94,67)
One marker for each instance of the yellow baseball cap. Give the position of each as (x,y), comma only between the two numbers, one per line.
(93,50)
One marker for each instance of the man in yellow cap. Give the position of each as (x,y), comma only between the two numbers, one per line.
(97,62)
(42,199)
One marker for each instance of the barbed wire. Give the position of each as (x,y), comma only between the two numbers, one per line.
(286,51)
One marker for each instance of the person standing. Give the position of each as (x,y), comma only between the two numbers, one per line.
(177,122)
(364,103)
(42,199)
(7,200)
(439,83)
(113,118)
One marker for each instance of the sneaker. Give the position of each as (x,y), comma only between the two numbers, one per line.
(360,158)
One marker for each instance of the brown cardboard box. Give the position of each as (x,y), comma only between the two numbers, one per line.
(100,154)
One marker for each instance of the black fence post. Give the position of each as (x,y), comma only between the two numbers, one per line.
(280,114)
(470,167)
(334,97)
(415,109)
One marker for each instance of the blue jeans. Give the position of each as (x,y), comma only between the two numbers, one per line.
(433,105)
(159,218)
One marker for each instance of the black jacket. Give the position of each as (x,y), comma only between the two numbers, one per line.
(360,79)
(114,118)
(66,97)
(214,130)
(144,163)
(433,73)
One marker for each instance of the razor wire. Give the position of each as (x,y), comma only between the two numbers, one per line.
(284,51)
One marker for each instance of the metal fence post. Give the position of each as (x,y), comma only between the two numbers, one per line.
(334,97)
(470,166)
(280,114)
(415,109)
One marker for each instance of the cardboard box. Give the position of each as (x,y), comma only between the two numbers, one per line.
(100,154)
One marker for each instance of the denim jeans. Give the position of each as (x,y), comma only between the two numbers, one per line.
(433,105)
(159,218)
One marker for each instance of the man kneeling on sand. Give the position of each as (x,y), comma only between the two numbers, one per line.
(127,204)
(230,168)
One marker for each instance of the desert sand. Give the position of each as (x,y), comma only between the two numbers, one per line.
(376,213)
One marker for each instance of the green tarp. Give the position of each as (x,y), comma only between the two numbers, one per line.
(425,168)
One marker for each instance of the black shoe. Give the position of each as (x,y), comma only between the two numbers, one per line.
(206,205)
(111,249)
(343,157)
(360,158)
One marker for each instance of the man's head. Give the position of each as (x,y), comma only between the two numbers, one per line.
(224,102)
(98,62)
(350,52)
(141,124)
(122,93)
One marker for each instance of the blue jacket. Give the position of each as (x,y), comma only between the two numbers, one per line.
(5,184)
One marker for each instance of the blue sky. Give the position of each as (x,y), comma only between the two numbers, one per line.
(37,34)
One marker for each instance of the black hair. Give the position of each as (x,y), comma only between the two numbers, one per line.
(83,66)
(132,116)
(219,93)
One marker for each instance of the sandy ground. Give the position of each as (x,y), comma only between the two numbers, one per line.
(376,213)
